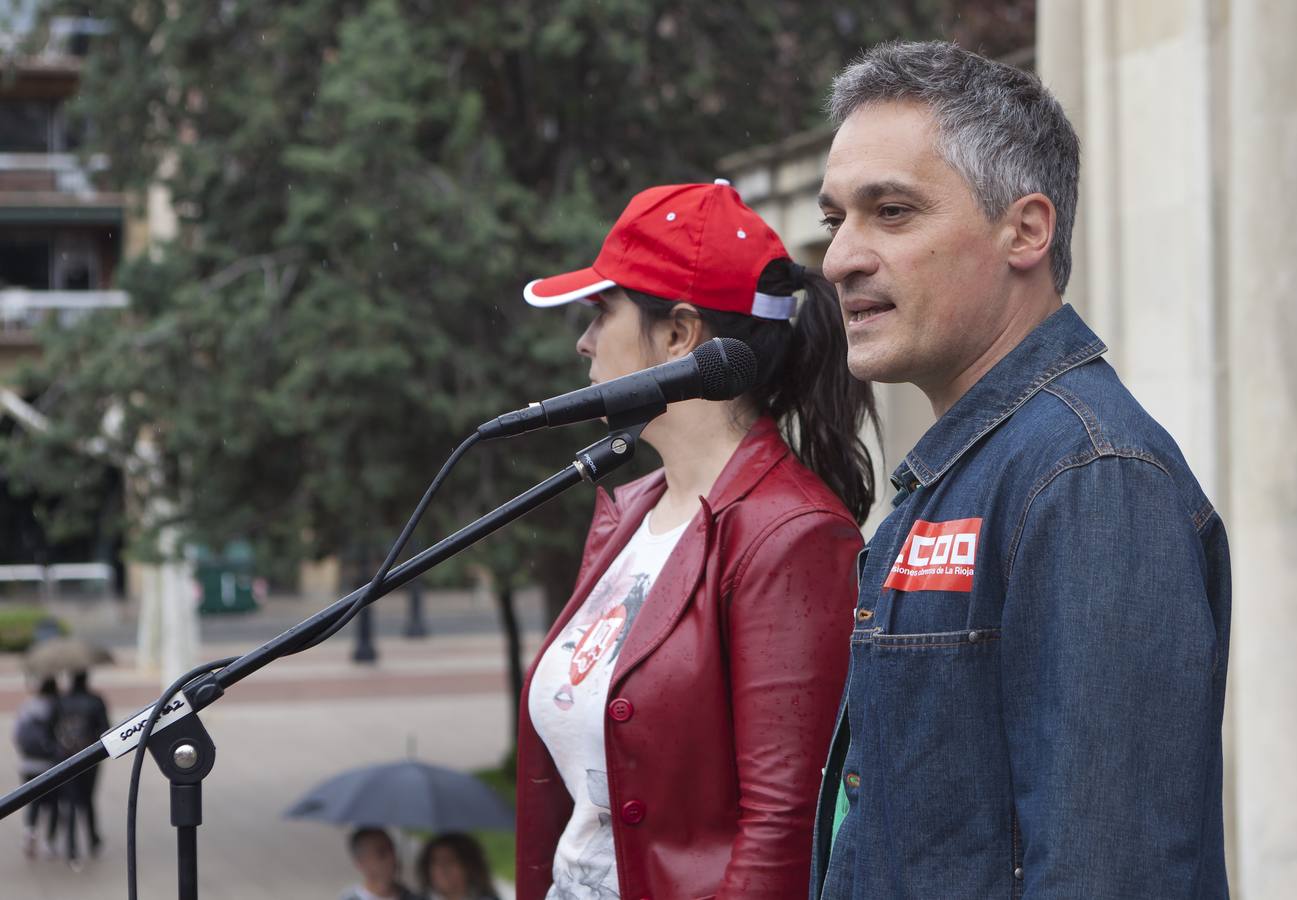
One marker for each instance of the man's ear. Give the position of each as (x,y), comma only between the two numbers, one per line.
(683,331)
(1029,226)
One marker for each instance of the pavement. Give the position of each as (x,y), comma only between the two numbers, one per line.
(442,698)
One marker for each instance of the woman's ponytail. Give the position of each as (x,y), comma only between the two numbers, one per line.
(822,409)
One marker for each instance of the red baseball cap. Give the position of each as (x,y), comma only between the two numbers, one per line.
(696,243)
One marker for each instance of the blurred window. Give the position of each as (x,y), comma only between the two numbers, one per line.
(25,262)
(76,263)
(27,126)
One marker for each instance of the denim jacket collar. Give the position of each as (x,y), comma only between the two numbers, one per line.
(1059,343)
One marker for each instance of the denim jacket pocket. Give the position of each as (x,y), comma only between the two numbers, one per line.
(927,612)
(944,760)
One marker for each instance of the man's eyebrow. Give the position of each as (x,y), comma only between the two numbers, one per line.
(873,190)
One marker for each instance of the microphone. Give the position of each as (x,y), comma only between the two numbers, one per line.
(719,369)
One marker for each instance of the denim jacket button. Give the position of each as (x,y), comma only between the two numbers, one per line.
(1017,873)
(974,637)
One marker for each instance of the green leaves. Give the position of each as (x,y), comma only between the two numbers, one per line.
(363,190)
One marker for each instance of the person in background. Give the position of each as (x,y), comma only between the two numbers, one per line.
(374,856)
(82,718)
(452,866)
(38,749)
(672,727)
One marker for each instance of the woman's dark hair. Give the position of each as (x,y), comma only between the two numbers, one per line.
(802,379)
(469,853)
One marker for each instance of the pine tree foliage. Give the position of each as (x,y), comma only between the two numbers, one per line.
(362,189)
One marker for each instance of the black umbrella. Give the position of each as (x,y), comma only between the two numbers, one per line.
(405,794)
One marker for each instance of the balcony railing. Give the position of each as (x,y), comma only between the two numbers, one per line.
(62,172)
(67,37)
(22,309)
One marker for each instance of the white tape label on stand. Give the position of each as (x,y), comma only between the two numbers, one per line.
(125,737)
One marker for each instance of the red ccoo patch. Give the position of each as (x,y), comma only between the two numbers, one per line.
(937,556)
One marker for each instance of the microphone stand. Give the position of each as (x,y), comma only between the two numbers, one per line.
(181,745)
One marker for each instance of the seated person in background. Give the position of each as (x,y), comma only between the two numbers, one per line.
(452,866)
(374,856)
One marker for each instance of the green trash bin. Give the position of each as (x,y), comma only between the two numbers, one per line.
(226,580)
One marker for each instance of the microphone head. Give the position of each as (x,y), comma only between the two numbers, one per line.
(728,368)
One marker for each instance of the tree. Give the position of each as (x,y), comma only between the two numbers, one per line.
(363,188)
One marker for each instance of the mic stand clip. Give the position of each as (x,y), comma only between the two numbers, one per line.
(185,754)
(608,453)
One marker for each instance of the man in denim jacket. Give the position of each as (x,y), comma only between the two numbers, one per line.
(1038,660)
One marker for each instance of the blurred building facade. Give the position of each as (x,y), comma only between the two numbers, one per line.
(60,233)
(61,236)
(1185,257)
(63,232)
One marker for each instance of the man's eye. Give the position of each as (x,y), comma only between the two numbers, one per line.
(891,211)
(830,223)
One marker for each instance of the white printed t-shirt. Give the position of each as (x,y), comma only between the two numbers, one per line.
(569,693)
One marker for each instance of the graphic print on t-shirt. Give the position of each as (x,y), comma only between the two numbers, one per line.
(568,702)
(614,603)
(592,876)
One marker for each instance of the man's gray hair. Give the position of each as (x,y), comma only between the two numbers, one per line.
(998,126)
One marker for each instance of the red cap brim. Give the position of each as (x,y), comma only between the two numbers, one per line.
(559,289)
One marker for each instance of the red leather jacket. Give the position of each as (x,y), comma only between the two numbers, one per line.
(723,698)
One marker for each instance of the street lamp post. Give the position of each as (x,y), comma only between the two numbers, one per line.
(364,650)
(414,624)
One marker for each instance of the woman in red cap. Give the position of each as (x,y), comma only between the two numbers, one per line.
(676,720)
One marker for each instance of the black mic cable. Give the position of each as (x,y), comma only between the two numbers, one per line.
(325,631)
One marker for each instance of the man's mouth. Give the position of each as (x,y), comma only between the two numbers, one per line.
(862,312)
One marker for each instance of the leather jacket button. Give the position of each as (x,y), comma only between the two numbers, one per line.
(633,812)
(621,710)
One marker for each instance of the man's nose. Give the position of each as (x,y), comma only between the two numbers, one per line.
(850,253)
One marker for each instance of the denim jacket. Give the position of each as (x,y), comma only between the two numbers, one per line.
(1038,658)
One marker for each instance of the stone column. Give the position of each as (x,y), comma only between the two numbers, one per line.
(1262,521)
(1060,63)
